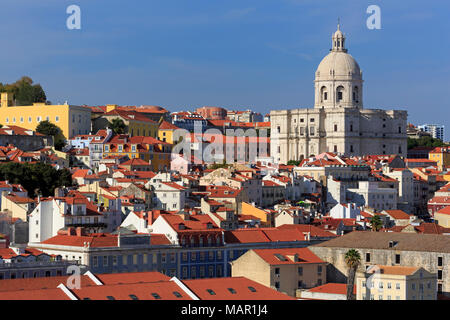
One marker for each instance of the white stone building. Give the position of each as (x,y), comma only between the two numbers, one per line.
(369,194)
(337,123)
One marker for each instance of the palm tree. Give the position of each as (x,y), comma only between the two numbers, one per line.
(352,259)
(117,126)
(376,222)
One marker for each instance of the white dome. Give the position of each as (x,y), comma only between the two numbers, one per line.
(338,64)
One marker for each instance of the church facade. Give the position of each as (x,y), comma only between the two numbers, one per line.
(337,123)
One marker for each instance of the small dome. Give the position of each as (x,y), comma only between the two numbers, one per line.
(152,109)
(338,64)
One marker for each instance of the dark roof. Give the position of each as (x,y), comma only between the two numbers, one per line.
(380,240)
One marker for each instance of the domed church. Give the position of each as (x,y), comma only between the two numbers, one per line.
(337,123)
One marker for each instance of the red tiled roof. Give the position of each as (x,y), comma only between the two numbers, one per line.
(167,126)
(398,214)
(240,285)
(304,256)
(332,288)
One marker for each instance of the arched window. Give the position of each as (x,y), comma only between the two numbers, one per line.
(323,94)
(356,94)
(339,93)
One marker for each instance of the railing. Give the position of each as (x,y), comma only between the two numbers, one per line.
(7,265)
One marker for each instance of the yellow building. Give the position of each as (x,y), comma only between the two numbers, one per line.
(136,123)
(443,217)
(72,120)
(155,152)
(265,217)
(396,283)
(286,270)
(166,130)
(441,155)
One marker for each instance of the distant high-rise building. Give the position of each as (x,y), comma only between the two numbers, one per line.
(436,130)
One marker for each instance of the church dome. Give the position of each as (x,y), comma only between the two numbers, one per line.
(338,64)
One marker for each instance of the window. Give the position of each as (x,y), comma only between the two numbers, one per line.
(277,270)
(335,149)
(124,260)
(184,272)
(389,285)
(439,274)
(29,119)
(397,258)
(311,120)
(38,119)
(413,286)
(177,294)
(193,256)
(202,271)
(440,262)
(319,282)
(299,284)
(232,290)
(95,261)
(367,257)
(184,256)
(110,298)
(277,285)
(319,269)
(252,289)
(163,258)
(172,257)
(105,261)
(397,286)
(211,292)
(219,271)
(380,285)
(335,127)
(132,296)
(56,119)
(311,131)
(300,271)
(380,297)
(156,296)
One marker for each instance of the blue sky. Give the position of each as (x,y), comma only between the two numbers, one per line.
(259,54)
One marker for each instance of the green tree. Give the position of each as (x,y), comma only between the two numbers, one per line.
(117,126)
(50,129)
(25,92)
(293,162)
(425,141)
(36,178)
(352,260)
(376,223)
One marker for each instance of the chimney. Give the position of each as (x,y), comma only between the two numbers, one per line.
(307,236)
(79,231)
